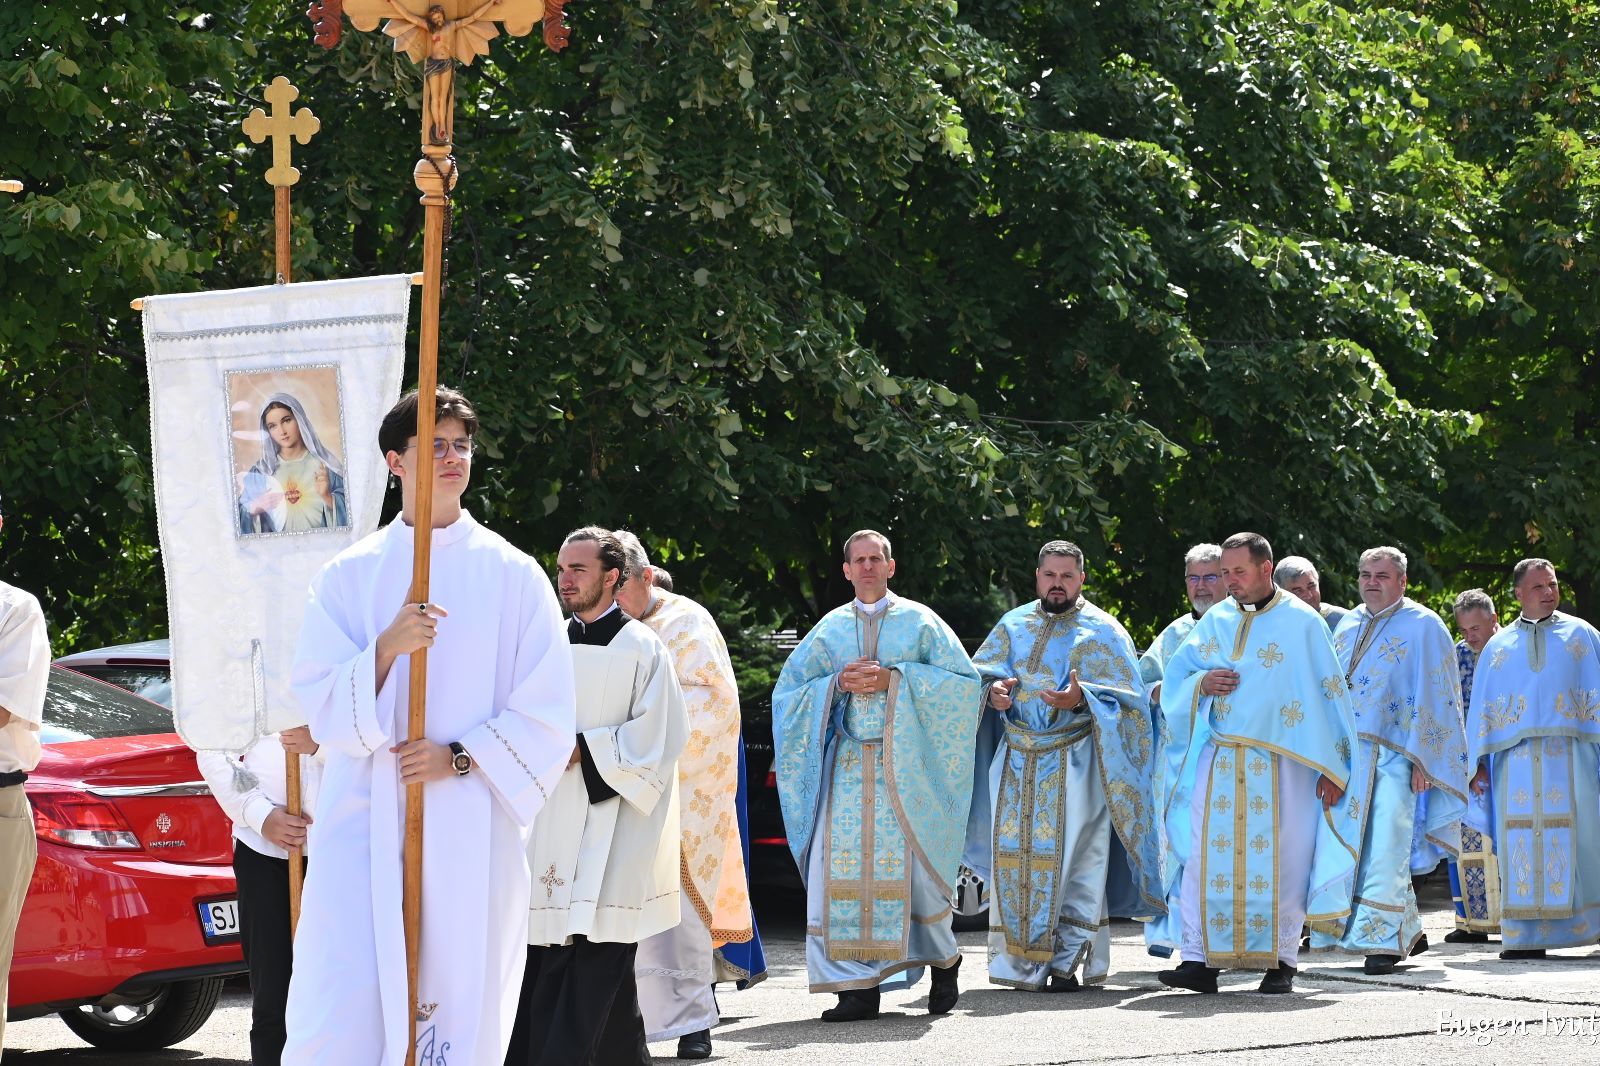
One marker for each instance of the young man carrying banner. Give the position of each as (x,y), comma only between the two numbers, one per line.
(500,726)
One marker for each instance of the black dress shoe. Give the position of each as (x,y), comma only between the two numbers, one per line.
(855,1005)
(1514,954)
(695,1045)
(1422,945)
(945,991)
(1068,983)
(1279,980)
(1195,976)
(1465,936)
(1377,964)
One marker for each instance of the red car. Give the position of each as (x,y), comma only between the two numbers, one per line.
(130,926)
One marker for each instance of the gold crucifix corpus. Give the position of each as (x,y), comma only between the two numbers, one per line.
(437,33)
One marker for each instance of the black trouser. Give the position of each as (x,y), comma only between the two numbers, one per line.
(268,947)
(579,1007)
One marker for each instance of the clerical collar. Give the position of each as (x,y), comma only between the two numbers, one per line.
(1259,605)
(449,534)
(1525,620)
(874,608)
(599,632)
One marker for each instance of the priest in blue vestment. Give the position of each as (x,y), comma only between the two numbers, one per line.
(1297,574)
(1533,734)
(873,720)
(1475,873)
(1411,766)
(1068,756)
(1261,833)
(1202,579)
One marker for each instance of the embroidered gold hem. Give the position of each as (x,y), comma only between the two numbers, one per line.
(883,975)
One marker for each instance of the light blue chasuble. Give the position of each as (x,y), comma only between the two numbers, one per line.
(1028,768)
(1400,665)
(876,788)
(1153,663)
(1291,703)
(1535,721)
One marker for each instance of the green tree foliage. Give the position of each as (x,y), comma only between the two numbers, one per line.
(748,275)
(1526,115)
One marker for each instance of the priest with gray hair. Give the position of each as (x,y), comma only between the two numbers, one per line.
(715,938)
(1475,872)
(1202,578)
(1297,574)
(1399,665)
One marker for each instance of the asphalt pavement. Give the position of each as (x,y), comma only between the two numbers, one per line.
(1453,1004)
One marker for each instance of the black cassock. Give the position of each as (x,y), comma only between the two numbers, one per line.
(580,1003)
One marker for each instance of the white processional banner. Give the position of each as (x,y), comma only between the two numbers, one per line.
(264,413)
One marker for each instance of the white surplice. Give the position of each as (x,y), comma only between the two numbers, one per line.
(608,871)
(499,681)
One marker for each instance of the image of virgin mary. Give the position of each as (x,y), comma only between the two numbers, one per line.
(297,484)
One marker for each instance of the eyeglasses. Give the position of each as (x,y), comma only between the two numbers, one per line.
(462,446)
(1196,579)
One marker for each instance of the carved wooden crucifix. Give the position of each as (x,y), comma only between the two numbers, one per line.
(436,34)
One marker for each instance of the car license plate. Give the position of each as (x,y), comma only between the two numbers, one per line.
(219,919)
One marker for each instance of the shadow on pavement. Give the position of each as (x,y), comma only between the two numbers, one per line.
(895,1025)
(993,1002)
(1231,998)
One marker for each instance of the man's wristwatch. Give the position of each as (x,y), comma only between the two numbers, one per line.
(460,761)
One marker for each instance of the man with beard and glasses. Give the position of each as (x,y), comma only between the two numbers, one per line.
(873,719)
(1066,762)
(604,851)
(1260,834)
(1297,574)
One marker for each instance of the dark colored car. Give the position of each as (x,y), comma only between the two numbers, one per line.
(771,863)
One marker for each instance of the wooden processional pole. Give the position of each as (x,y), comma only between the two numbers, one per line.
(283,128)
(435,35)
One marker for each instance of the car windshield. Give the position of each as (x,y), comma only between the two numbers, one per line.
(80,708)
(154,683)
